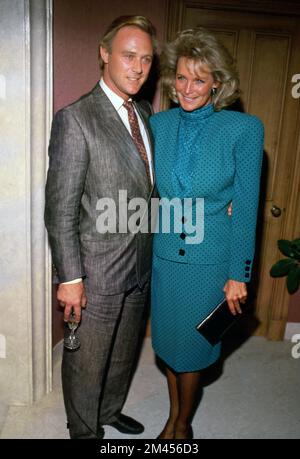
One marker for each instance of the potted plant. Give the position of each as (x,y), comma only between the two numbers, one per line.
(289,266)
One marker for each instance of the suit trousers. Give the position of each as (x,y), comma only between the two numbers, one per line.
(96,377)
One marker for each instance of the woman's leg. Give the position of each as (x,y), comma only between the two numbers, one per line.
(169,429)
(184,390)
(188,389)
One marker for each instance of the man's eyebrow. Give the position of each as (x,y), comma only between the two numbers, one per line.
(128,51)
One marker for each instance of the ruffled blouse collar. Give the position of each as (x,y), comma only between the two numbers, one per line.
(197,115)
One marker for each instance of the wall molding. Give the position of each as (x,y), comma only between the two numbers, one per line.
(41,112)
(288,8)
(25,277)
(292,328)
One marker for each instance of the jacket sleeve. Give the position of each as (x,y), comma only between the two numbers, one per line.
(248,161)
(68,162)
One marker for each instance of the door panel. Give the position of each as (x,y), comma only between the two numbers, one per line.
(266,47)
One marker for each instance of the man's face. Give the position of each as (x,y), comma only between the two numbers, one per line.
(128,64)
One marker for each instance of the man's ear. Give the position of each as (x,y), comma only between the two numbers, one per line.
(104,54)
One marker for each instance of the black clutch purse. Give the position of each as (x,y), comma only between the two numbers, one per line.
(217,323)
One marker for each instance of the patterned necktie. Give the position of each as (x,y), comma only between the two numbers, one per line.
(137,136)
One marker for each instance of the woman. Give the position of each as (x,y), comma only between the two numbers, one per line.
(201,151)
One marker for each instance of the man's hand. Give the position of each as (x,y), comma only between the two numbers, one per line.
(72,296)
(236,292)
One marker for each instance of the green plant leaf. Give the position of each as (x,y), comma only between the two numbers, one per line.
(285,247)
(282,267)
(293,279)
(295,246)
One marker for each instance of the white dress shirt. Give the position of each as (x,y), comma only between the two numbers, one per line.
(118,102)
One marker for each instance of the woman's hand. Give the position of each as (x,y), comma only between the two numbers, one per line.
(236,293)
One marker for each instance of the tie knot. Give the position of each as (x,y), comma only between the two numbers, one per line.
(128,105)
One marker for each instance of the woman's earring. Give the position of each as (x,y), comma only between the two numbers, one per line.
(213,91)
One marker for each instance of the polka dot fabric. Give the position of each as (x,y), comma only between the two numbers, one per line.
(215,156)
(181,297)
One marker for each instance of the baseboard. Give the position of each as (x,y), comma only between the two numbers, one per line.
(57,353)
(291,329)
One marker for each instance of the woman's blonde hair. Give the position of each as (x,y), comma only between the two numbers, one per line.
(141,22)
(202,47)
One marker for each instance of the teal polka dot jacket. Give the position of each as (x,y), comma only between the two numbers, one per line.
(215,157)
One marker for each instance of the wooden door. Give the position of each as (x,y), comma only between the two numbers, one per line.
(265,41)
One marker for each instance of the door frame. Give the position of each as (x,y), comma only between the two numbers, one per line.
(39,61)
(277,313)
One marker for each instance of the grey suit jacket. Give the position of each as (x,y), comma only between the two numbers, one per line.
(92,156)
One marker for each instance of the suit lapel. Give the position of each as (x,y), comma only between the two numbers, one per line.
(120,137)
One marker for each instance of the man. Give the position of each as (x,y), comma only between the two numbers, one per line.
(98,147)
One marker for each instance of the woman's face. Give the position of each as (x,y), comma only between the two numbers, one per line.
(193,84)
